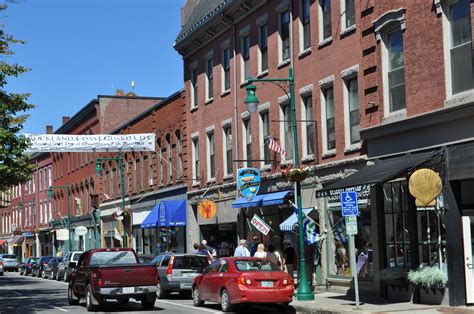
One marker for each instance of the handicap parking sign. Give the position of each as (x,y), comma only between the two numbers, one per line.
(350,206)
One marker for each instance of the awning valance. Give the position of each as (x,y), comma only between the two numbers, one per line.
(16,240)
(168,213)
(290,223)
(381,171)
(275,198)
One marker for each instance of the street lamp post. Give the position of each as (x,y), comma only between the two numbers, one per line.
(50,195)
(98,170)
(304,292)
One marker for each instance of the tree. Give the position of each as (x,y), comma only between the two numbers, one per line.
(15,167)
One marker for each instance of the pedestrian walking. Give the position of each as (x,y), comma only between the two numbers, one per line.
(211,250)
(204,251)
(289,257)
(242,250)
(260,251)
(196,248)
(274,256)
(254,246)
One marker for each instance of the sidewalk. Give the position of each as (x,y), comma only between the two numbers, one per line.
(331,302)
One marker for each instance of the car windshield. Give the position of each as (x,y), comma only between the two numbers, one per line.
(190,261)
(113,258)
(255,265)
(76,256)
(9,256)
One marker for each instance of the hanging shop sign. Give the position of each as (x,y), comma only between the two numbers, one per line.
(260,224)
(425,185)
(90,143)
(80,230)
(207,209)
(28,234)
(248,181)
(334,196)
(62,235)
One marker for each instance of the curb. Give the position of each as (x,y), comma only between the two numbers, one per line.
(324,310)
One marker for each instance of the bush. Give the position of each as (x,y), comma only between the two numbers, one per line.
(393,273)
(428,277)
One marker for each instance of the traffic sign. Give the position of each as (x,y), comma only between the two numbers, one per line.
(350,206)
(351,225)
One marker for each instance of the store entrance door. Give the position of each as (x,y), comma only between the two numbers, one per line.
(468,239)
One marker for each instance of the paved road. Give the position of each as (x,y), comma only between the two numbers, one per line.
(20,294)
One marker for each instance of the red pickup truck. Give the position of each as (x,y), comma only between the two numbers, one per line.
(102,274)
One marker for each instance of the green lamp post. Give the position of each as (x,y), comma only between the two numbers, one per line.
(304,292)
(50,196)
(98,171)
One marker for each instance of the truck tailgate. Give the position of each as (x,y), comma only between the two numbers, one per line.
(127,275)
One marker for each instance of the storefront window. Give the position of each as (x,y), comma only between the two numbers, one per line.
(221,237)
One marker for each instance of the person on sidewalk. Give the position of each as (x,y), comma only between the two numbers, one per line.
(274,256)
(289,257)
(254,246)
(196,248)
(241,250)
(260,251)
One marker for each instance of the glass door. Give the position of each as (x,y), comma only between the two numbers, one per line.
(468,239)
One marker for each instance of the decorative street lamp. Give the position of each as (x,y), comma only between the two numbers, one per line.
(304,292)
(98,171)
(50,196)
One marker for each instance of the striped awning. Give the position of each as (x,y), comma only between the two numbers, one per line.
(290,223)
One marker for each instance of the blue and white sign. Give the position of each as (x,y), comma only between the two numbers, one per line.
(350,207)
(248,181)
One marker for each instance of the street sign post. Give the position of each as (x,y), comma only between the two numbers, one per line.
(350,210)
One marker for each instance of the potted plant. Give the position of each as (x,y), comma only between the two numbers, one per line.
(296,174)
(430,282)
(396,283)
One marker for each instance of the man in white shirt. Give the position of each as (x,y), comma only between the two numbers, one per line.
(241,250)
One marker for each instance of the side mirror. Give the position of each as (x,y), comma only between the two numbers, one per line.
(72,265)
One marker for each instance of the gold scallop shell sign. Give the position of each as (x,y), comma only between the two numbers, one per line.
(425,185)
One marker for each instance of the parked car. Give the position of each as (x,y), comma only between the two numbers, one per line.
(1,268)
(37,269)
(51,268)
(236,280)
(103,274)
(63,267)
(176,272)
(27,265)
(10,262)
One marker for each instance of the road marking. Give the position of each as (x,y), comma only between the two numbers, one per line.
(58,308)
(17,293)
(188,306)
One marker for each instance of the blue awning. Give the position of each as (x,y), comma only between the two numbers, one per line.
(168,213)
(290,222)
(267,199)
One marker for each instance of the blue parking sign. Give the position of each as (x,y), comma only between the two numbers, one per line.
(350,206)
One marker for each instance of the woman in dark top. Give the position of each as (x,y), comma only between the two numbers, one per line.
(289,257)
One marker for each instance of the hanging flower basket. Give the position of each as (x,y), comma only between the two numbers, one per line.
(297,174)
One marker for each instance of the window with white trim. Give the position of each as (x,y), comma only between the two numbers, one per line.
(287,131)
(263,49)
(245,58)
(225,69)
(247,143)
(265,137)
(347,14)
(328,119)
(305,25)
(458,42)
(211,156)
(394,70)
(194,87)
(351,111)
(195,159)
(227,132)
(284,36)
(209,79)
(308,125)
(325,26)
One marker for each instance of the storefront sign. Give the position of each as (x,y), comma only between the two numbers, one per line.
(90,143)
(425,185)
(350,207)
(334,196)
(80,230)
(225,227)
(351,225)
(260,224)
(62,235)
(28,234)
(248,181)
(207,209)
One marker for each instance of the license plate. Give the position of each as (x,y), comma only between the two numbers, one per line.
(185,286)
(189,274)
(128,290)
(267,283)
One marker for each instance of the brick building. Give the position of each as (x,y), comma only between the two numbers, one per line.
(385,81)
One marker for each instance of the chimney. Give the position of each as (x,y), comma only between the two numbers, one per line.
(119,92)
(187,10)
(66,119)
(49,129)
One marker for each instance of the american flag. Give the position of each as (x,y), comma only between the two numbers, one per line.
(273,145)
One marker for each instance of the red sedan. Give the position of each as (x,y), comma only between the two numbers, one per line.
(237,280)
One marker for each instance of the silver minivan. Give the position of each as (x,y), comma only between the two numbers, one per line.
(177,271)
(10,262)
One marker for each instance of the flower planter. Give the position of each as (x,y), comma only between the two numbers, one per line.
(296,174)
(434,296)
(398,290)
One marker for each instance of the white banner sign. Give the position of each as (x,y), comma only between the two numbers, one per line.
(260,224)
(62,235)
(90,143)
(80,230)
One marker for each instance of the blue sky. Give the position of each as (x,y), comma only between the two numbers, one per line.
(78,49)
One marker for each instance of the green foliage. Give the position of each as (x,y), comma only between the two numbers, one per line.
(393,273)
(428,277)
(14,164)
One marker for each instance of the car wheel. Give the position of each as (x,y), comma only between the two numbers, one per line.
(89,302)
(160,293)
(65,278)
(226,306)
(71,296)
(43,275)
(123,301)
(148,302)
(57,276)
(197,297)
